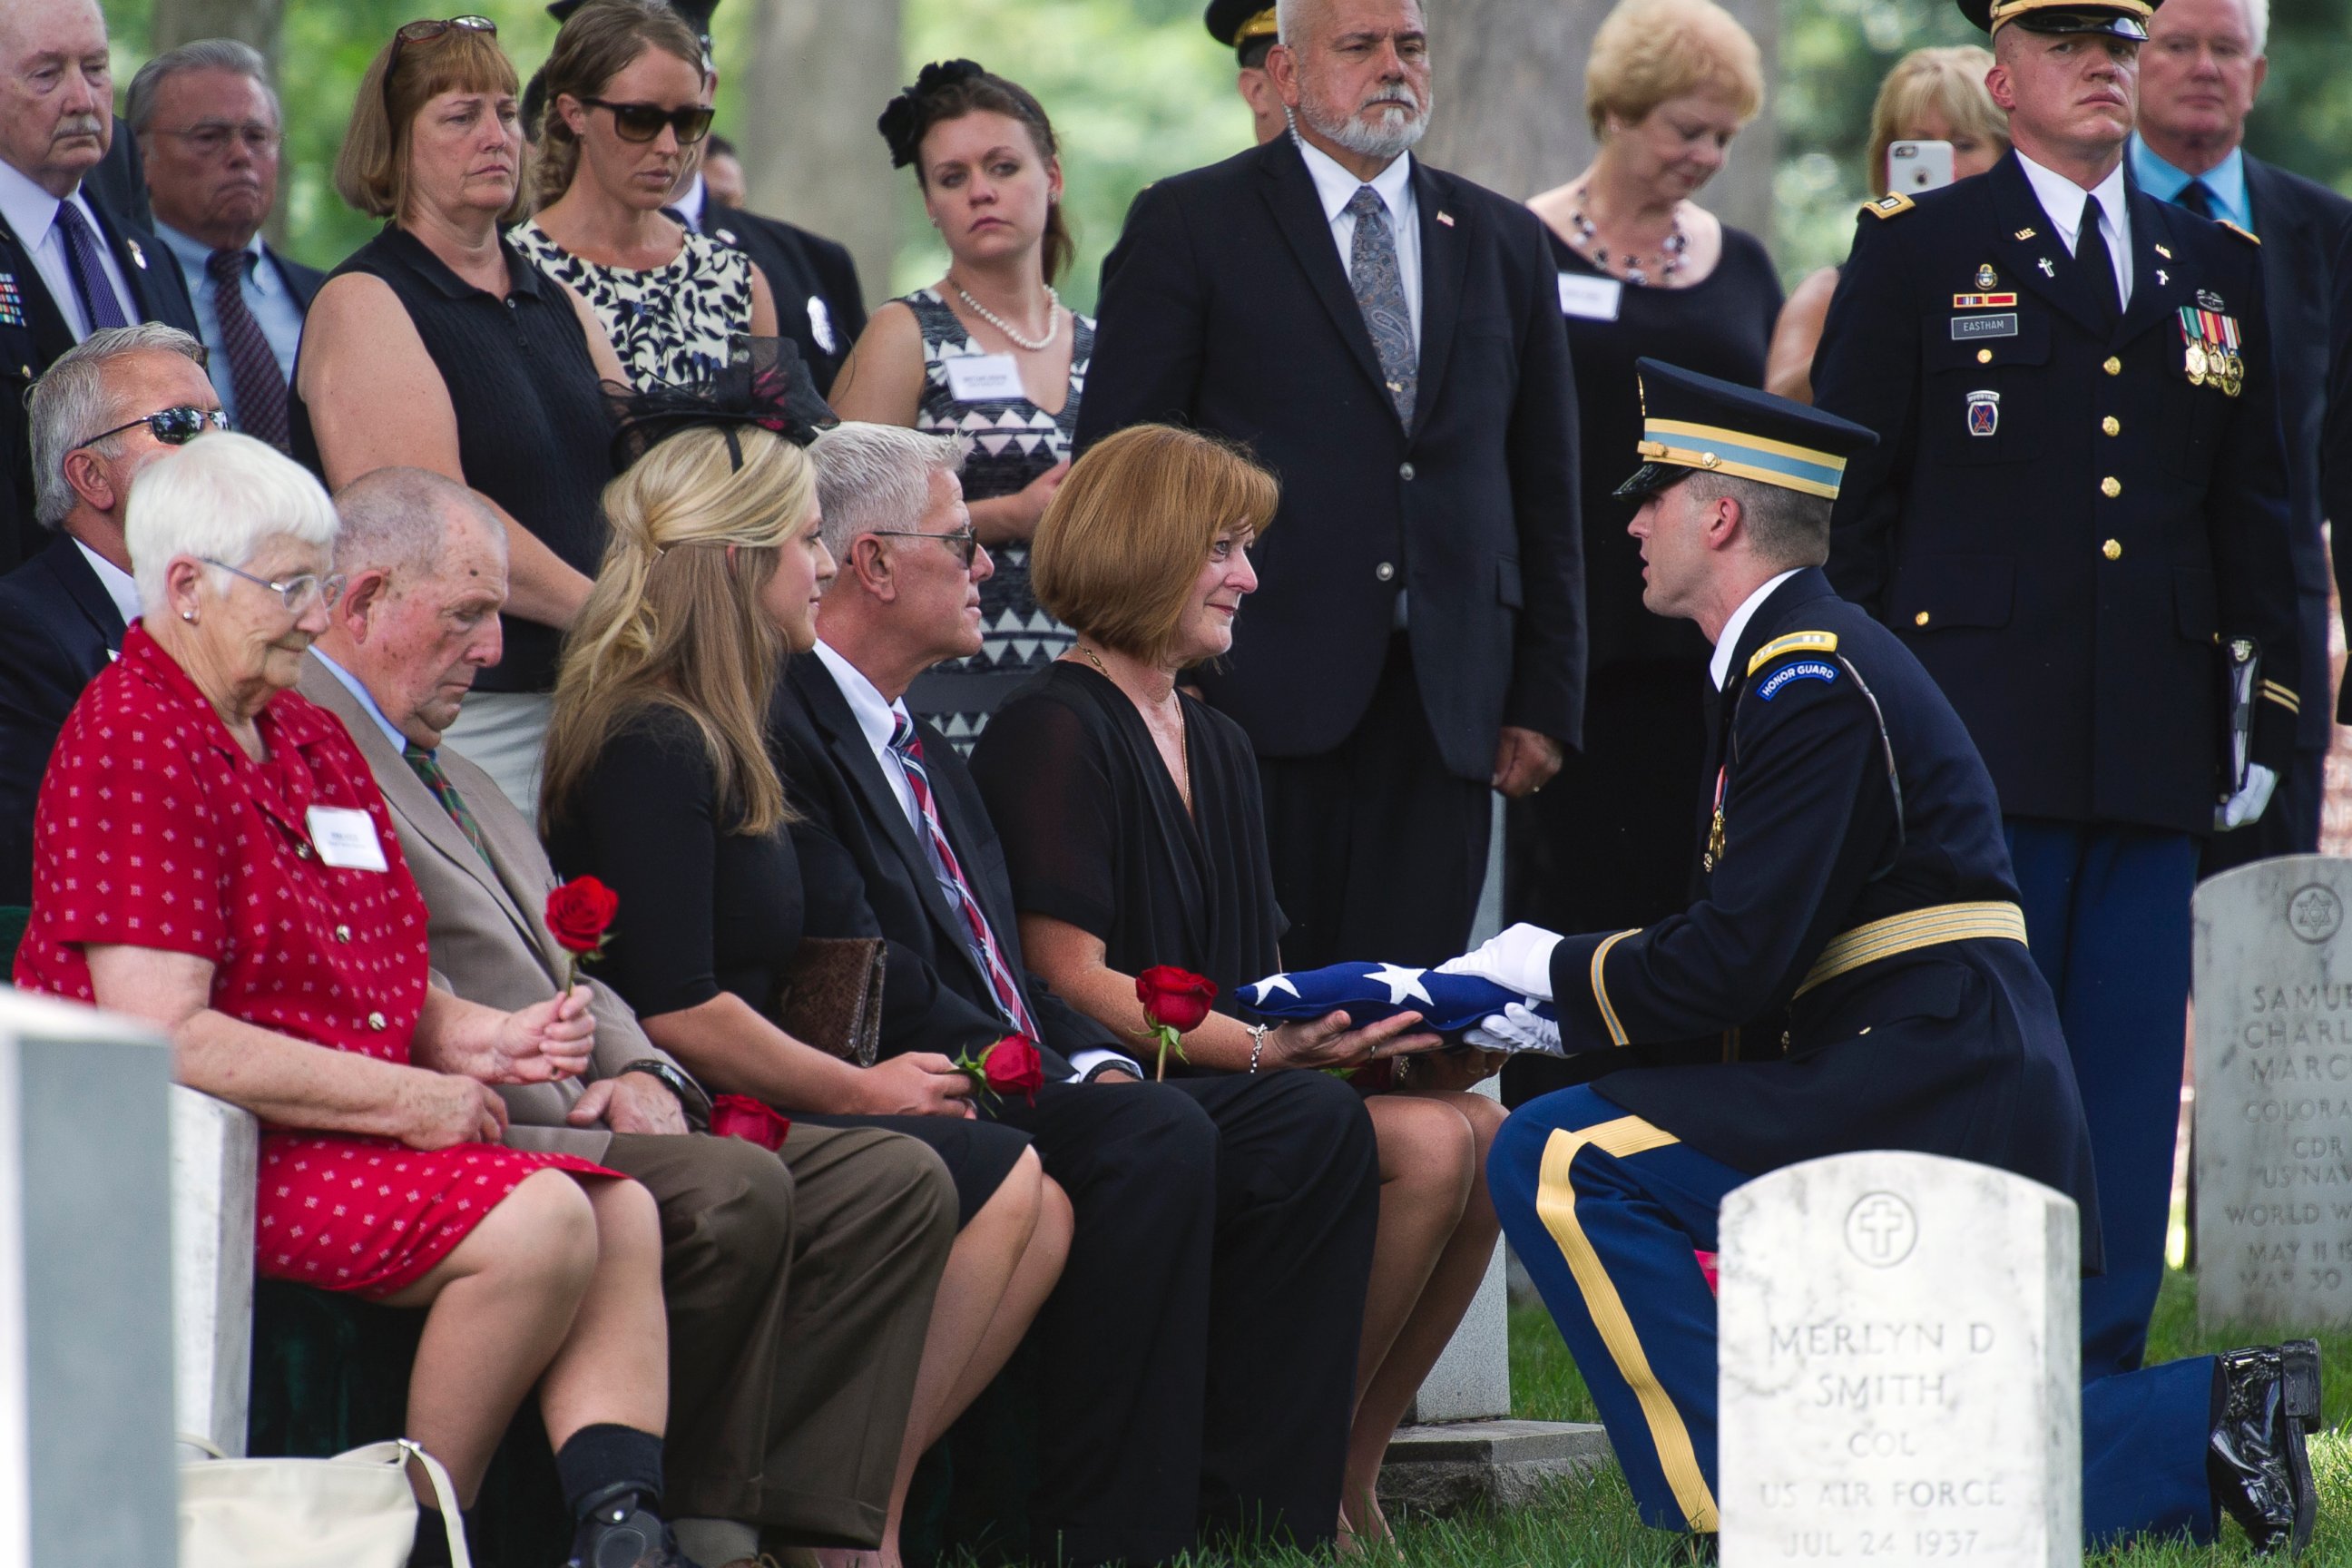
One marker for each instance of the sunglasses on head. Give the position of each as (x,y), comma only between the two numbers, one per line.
(172,427)
(425,32)
(644,122)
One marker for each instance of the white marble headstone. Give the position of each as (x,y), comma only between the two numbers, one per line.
(1898,1367)
(2273,987)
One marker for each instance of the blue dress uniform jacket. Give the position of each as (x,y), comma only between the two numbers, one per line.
(1952,1048)
(2056,521)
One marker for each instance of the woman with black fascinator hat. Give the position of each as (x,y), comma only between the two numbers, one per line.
(988,353)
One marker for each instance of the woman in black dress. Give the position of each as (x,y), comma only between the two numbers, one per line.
(1643,270)
(1135,836)
(658,783)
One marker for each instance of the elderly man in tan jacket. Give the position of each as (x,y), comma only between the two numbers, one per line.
(799,1284)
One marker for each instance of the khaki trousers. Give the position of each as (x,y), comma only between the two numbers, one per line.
(799,1288)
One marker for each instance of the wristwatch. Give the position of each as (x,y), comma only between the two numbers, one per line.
(667,1076)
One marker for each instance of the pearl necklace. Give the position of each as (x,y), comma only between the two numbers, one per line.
(1670,251)
(1031,345)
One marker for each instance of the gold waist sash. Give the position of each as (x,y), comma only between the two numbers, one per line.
(1849,951)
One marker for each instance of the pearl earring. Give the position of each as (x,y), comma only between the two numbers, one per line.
(188,616)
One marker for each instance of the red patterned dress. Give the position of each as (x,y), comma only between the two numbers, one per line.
(154,829)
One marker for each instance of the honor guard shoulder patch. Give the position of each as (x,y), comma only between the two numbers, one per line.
(2247,235)
(1796,669)
(1795,642)
(1893,204)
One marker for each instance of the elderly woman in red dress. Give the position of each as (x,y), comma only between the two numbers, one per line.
(210,853)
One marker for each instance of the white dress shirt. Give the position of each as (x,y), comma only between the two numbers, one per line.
(2061,203)
(1393,185)
(692,205)
(877,720)
(120,585)
(1720,667)
(32,213)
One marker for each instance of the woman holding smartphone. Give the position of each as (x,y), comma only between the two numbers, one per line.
(1933,96)
(1643,270)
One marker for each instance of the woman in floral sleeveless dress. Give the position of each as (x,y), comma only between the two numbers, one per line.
(989,353)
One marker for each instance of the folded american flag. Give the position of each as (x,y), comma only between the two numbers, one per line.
(1367,993)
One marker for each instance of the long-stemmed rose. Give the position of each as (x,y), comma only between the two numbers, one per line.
(579,914)
(1174,1002)
(1011,1065)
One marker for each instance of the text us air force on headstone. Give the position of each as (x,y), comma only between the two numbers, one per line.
(1898,1366)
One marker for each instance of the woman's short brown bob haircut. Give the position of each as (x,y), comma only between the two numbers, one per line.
(1118,552)
(1647,51)
(372,171)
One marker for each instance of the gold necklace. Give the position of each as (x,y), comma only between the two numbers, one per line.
(1183,731)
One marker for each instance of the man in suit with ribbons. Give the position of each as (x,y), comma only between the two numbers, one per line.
(798,1284)
(2076,518)
(1853,974)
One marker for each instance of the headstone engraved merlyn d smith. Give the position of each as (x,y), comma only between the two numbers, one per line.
(1899,1367)
(2274,986)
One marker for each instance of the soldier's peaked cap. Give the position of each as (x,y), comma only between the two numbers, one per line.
(1691,421)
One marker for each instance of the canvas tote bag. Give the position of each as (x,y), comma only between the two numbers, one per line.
(354,1511)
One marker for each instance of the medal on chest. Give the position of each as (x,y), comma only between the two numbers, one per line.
(1715,828)
(2210,352)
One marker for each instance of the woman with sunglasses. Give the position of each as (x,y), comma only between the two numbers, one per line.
(438,345)
(624,102)
(212,854)
(988,353)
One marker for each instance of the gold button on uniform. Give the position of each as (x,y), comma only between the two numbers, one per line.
(1920,619)
(2113,550)
(2113,366)
(2112,426)
(375,1020)
(2111,487)
(1984,356)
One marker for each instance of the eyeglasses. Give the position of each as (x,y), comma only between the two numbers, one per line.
(299,592)
(212,138)
(172,427)
(965,543)
(425,32)
(644,122)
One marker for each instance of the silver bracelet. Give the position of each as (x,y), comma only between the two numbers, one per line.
(1258,1032)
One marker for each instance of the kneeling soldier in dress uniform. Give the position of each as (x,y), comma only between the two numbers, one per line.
(2075,517)
(1853,976)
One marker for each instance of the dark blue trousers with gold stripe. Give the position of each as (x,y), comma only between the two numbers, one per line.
(1605,1210)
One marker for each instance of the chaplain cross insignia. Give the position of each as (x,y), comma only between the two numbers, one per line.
(2162,277)
(2047,269)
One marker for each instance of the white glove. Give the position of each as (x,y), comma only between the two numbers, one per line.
(1516,1028)
(1518,959)
(2248,803)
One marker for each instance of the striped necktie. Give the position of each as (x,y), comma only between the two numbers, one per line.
(85,260)
(427,766)
(253,373)
(983,942)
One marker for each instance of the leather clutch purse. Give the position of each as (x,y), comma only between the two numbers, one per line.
(831,998)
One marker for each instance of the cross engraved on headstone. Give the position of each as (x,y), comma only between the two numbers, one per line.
(1887,1227)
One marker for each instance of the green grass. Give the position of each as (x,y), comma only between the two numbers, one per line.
(1590,1522)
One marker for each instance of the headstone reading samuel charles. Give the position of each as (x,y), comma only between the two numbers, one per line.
(1898,1372)
(2274,986)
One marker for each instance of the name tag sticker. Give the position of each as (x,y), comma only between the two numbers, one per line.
(346,839)
(984,378)
(1594,299)
(2003,325)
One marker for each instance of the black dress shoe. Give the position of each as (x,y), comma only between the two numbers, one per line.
(2256,1462)
(620,1532)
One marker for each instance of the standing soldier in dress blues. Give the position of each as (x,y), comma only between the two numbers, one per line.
(1856,962)
(2076,518)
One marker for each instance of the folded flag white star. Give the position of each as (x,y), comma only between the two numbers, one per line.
(1368,993)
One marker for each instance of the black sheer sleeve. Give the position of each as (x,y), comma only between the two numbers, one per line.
(1045,769)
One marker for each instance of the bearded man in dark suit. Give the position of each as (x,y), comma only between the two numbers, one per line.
(1387,338)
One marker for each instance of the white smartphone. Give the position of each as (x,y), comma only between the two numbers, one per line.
(1914,166)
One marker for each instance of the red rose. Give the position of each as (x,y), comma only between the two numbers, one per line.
(578,912)
(1012,1066)
(1174,998)
(740,1115)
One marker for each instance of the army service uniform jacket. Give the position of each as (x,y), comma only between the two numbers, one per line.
(1858,966)
(2059,521)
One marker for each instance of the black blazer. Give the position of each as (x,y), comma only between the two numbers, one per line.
(58,629)
(35,333)
(1225,306)
(848,811)
(2055,520)
(2303,224)
(302,282)
(813,280)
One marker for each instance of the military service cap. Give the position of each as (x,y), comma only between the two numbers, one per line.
(2116,18)
(1693,421)
(1245,26)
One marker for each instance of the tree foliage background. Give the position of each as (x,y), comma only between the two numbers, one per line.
(1137,90)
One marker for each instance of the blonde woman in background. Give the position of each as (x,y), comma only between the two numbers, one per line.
(1931,95)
